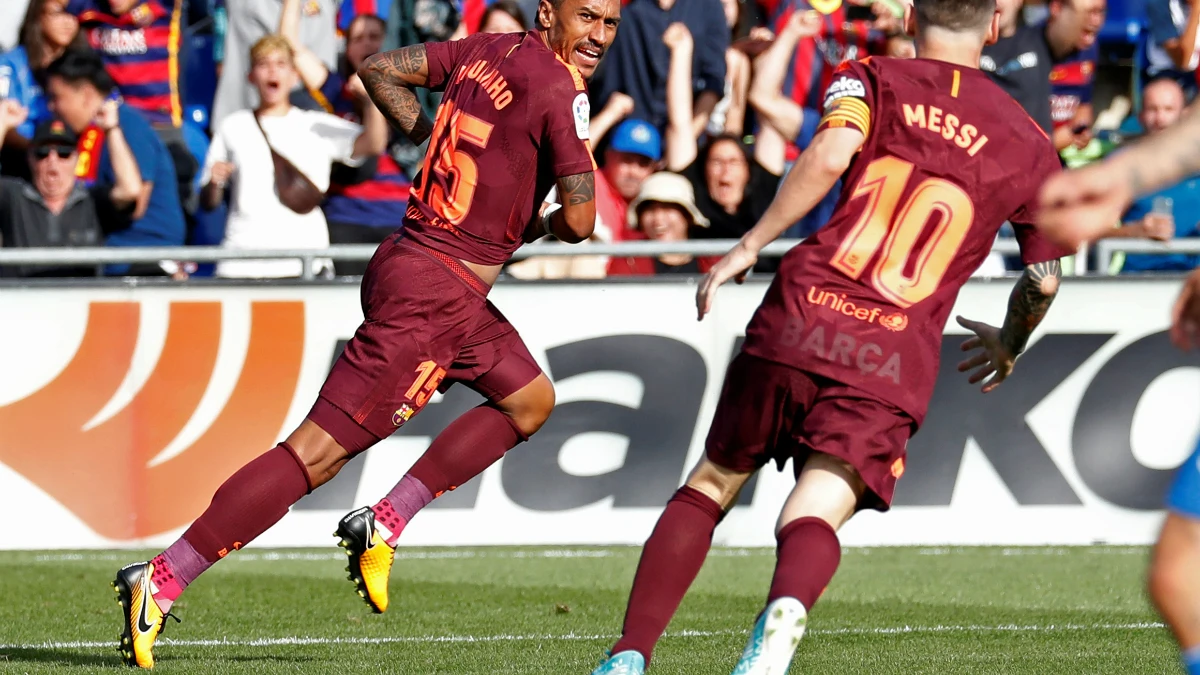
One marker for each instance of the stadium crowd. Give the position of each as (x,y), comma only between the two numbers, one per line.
(169,122)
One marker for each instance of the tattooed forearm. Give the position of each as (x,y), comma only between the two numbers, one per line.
(389,79)
(1029,302)
(578,189)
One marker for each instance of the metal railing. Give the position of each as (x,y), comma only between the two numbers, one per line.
(359,252)
(1107,248)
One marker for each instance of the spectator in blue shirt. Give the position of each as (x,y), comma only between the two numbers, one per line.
(47,31)
(637,61)
(1173,47)
(1168,213)
(77,85)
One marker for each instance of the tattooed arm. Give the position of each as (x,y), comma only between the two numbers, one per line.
(390,79)
(576,219)
(1000,347)
(1028,303)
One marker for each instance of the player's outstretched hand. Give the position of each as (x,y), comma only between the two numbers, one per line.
(734,266)
(993,358)
(1081,205)
(1185,318)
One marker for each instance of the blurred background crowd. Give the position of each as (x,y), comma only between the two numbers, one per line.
(164,122)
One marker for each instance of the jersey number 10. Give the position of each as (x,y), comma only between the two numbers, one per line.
(457,169)
(897,228)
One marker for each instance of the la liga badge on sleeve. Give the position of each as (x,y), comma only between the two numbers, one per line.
(582,111)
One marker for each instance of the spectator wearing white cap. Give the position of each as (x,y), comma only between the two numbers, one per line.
(664,210)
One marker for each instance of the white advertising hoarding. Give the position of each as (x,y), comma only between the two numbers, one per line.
(122,409)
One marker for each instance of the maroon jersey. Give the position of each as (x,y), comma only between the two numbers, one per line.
(513,119)
(948,157)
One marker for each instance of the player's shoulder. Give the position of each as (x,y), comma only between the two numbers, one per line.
(556,75)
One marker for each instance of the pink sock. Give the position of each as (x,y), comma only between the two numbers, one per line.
(399,506)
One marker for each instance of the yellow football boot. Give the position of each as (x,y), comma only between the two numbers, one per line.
(141,618)
(370,563)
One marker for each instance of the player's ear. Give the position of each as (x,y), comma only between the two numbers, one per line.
(545,14)
(993,33)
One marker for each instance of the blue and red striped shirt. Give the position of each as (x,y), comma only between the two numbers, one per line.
(812,66)
(140,49)
(1071,84)
(378,201)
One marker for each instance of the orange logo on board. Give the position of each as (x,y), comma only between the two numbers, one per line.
(109,474)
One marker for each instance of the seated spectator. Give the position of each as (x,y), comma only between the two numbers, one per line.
(56,209)
(47,31)
(665,210)
(1174,51)
(637,62)
(77,87)
(365,203)
(732,189)
(1168,213)
(503,16)
(241,152)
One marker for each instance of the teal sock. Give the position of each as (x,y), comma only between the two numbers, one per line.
(1191,660)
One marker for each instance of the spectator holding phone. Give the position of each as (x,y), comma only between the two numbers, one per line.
(1168,213)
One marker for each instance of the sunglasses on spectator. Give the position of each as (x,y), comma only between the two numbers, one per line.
(63,151)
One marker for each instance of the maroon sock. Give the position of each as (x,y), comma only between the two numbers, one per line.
(253,499)
(471,443)
(394,511)
(670,562)
(808,555)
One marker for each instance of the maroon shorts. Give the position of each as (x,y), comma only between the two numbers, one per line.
(427,324)
(770,411)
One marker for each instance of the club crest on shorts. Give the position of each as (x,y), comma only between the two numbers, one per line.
(402,414)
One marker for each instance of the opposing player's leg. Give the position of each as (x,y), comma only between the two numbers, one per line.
(758,401)
(496,363)
(350,415)
(852,454)
(1174,583)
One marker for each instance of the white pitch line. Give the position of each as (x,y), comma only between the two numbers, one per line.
(568,637)
(563,553)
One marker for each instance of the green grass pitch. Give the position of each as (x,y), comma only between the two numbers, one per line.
(542,610)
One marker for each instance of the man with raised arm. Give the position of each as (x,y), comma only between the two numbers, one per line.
(512,124)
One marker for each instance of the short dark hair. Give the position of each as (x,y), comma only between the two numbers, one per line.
(79,66)
(954,15)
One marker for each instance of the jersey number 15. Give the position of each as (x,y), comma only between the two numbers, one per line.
(457,169)
(897,228)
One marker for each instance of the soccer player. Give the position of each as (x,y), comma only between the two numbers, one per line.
(1080,206)
(512,124)
(841,358)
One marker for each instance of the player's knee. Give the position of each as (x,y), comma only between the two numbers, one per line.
(323,457)
(718,483)
(1165,581)
(531,406)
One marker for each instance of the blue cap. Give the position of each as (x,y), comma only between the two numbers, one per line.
(638,137)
